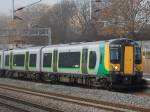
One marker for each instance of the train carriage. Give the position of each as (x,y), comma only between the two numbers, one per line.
(107,63)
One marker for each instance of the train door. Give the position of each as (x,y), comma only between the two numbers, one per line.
(27,60)
(128,59)
(84,60)
(10,60)
(55,55)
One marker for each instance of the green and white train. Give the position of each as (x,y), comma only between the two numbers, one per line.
(106,63)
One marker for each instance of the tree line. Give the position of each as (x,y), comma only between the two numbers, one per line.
(70,20)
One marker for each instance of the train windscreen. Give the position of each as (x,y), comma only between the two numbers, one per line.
(138,55)
(115,54)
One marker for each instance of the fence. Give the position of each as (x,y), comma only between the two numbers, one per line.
(146,60)
(146,53)
(146,65)
(36,36)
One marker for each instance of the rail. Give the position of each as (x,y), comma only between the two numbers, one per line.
(14,107)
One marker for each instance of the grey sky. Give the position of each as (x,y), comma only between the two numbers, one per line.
(6,5)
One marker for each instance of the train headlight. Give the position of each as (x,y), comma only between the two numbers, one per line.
(116,67)
(138,68)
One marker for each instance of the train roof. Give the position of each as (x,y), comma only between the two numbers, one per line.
(77,44)
(122,41)
(35,48)
(74,44)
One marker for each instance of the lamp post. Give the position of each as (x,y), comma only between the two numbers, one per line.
(13,3)
(90,9)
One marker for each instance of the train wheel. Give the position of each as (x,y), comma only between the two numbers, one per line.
(53,78)
(9,74)
(36,77)
(2,73)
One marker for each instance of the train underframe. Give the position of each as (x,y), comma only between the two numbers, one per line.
(111,81)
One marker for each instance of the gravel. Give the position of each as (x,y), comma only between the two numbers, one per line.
(6,109)
(123,98)
(20,106)
(60,105)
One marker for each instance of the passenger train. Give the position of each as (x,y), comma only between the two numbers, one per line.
(104,63)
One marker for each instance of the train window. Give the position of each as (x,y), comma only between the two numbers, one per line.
(6,60)
(47,59)
(137,55)
(69,60)
(92,59)
(32,61)
(115,55)
(18,60)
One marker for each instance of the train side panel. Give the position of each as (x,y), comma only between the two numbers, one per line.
(7,60)
(19,59)
(34,59)
(69,60)
(47,59)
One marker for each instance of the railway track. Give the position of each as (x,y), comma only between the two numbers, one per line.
(74,100)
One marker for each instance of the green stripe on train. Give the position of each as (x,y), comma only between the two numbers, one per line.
(102,70)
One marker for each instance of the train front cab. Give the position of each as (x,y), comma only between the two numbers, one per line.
(126,62)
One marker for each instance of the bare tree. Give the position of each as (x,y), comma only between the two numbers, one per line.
(130,16)
(58,18)
(30,16)
(83,23)
(70,20)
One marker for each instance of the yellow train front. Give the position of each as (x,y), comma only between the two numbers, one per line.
(126,64)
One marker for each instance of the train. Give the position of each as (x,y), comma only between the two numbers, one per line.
(105,63)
